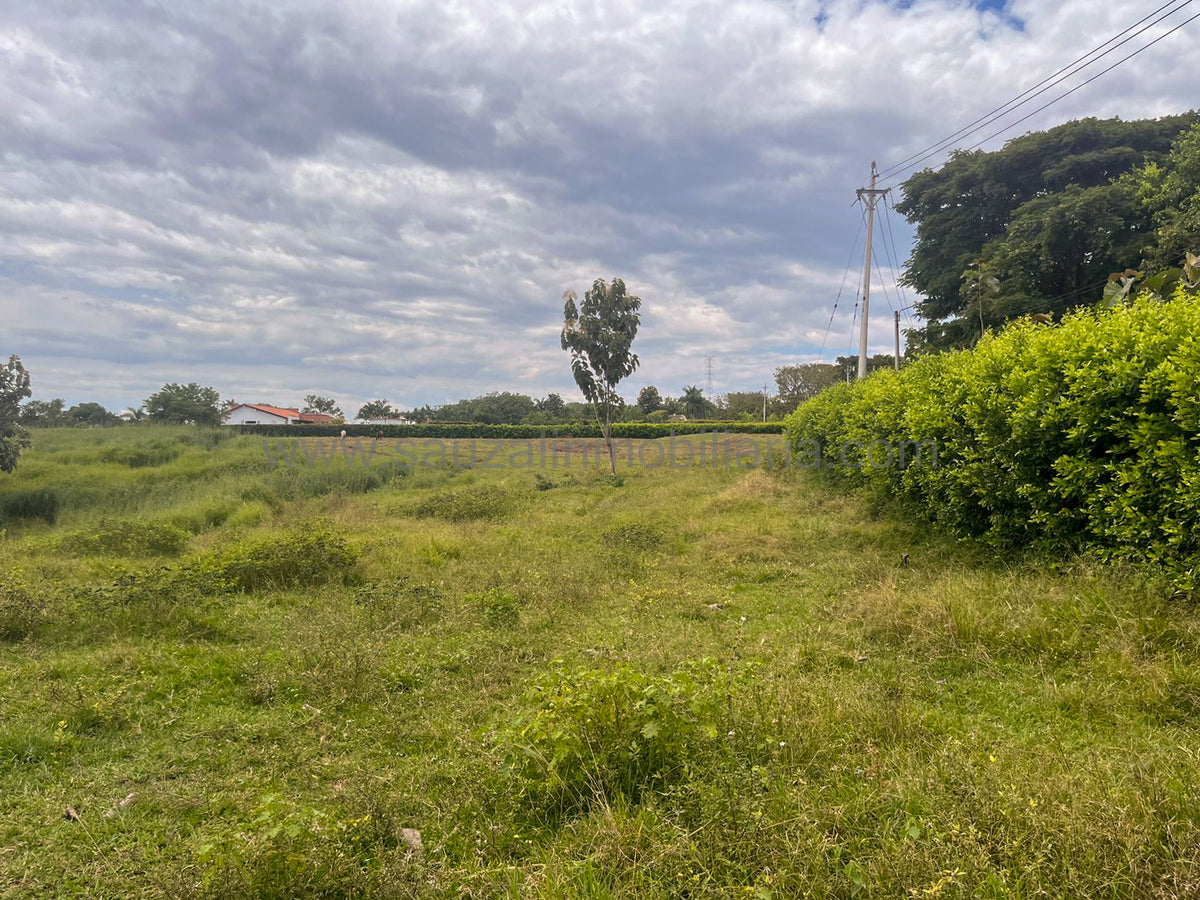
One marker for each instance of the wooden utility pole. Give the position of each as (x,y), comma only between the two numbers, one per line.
(872,195)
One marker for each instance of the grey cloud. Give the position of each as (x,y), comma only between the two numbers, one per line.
(389,200)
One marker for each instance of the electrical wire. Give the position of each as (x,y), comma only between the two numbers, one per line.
(849,260)
(893,255)
(910,163)
(1085,82)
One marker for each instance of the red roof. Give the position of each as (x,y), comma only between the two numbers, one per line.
(273,410)
(316,419)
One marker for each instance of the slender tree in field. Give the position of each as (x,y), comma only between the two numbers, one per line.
(14,387)
(599,336)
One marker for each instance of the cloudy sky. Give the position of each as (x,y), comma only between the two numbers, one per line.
(387,198)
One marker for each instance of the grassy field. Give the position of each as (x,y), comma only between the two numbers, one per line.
(223,678)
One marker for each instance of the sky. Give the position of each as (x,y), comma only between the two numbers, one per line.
(387,198)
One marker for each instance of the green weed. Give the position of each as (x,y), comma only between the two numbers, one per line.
(466,504)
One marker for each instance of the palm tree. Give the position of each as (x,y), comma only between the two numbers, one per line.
(695,404)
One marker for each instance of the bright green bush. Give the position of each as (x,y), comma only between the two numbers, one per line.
(1082,435)
(586,733)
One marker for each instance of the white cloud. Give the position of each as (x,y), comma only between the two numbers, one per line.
(385,198)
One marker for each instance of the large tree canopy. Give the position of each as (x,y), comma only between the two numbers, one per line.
(190,403)
(1048,216)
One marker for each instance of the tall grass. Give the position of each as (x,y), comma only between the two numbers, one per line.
(699,682)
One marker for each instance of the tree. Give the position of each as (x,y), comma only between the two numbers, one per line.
(14,387)
(91,414)
(649,399)
(874,361)
(1049,214)
(315,403)
(599,336)
(44,413)
(551,404)
(1170,193)
(498,408)
(377,409)
(743,406)
(796,384)
(187,403)
(695,404)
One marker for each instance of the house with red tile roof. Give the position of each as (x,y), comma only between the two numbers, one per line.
(264,414)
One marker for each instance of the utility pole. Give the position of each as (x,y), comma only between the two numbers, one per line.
(708,369)
(897,314)
(764,401)
(872,195)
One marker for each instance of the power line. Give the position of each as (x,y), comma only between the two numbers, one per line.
(887,296)
(1078,65)
(1086,82)
(833,312)
(894,260)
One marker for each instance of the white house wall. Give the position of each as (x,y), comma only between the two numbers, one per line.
(244,415)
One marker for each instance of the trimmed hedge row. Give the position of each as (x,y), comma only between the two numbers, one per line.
(643,430)
(1086,435)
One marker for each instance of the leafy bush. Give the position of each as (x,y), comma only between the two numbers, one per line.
(588,734)
(500,608)
(288,850)
(126,537)
(1087,434)
(40,504)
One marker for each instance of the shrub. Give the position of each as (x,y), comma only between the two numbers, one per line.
(288,850)
(590,734)
(1087,434)
(500,608)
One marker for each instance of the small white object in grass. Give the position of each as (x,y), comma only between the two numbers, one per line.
(412,837)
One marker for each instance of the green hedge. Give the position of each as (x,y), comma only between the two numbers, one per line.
(1085,435)
(514,432)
